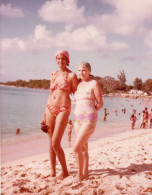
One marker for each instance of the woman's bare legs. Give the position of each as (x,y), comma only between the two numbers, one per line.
(50,121)
(86,161)
(60,125)
(83,133)
(55,135)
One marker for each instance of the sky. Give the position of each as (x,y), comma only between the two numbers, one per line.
(112,35)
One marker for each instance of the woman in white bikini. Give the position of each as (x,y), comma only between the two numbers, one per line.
(63,83)
(88,102)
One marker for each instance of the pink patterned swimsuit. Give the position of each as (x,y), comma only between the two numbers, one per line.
(85,110)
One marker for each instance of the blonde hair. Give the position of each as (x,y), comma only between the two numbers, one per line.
(86,64)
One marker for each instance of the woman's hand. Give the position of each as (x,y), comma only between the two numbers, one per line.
(98,96)
(44,127)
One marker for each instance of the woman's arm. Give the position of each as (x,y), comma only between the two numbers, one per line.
(44,115)
(98,96)
(74,82)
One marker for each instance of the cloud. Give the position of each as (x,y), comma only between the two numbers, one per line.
(148,42)
(2,69)
(40,39)
(131,59)
(116,46)
(126,16)
(87,38)
(9,11)
(148,39)
(65,11)
(14,45)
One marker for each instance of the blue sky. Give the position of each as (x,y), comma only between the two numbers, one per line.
(110,34)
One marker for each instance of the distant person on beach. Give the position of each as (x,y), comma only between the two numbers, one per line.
(63,83)
(150,118)
(116,111)
(142,122)
(18,131)
(133,119)
(69,128)
(88,102)
(105,114)
(146,117)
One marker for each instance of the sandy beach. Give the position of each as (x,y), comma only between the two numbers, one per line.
(121,164)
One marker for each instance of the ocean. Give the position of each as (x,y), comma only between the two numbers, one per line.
(23,108)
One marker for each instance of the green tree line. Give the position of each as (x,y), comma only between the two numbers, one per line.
(107,83)
(38,84)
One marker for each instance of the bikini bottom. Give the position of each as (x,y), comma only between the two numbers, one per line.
(55,110)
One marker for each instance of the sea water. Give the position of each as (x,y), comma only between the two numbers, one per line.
(24,107)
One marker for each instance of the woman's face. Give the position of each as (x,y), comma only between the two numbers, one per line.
(83,72)
(61,61)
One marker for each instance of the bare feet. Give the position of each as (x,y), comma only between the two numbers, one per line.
(63,175)
(53,174)
(85,176)
(78,179)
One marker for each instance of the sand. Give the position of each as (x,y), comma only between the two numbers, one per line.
(121,164)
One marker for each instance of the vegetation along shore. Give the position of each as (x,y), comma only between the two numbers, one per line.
(109,85)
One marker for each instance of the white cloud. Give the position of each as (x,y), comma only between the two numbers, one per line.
(87,38)
(116,46)
(65,11)
(9,11)
(148,42)
(2,69)
(132,59)
(42,38)
(13,45)
(126,16)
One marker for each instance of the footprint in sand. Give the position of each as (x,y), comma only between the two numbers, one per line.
(77,185)
(20,182)
(71,164)
(4,173)
(23,174)
(37,176)
(20,166)
(46,160)
(28,169)
(94,184)
(44,177)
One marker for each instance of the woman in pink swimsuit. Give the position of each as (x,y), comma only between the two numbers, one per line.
(88,102)
(63,83)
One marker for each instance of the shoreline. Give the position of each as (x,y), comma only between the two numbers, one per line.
(120,164)
(39,144)
(122,95)
(132,96)
(104,140)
